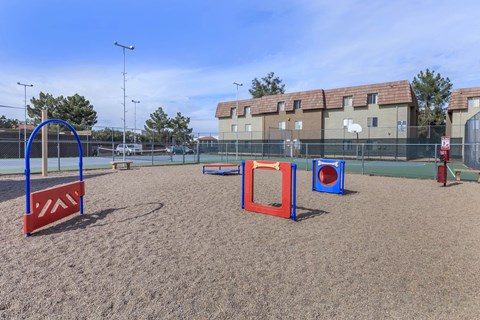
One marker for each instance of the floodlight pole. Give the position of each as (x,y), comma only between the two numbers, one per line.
(236,131)
(124,95)
(135,121)
(25,104)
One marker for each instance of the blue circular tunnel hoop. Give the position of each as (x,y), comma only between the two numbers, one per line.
(27,159)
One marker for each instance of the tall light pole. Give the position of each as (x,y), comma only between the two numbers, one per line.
(236,123)
(25,104)
(124,95)
(135,121)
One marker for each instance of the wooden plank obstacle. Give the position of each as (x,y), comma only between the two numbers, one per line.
(458,173)
(116,163)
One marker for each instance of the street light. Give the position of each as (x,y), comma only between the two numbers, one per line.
(124,105)
(236,123)
(25,126)
(135,121)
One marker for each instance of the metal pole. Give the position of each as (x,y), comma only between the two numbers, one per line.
(363,158)
(113,146)
(153,143)
(124,95)
(236,115)
(135,121)
(306,156)
(19,143)
(25,104)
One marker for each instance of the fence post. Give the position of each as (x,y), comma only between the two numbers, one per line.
(113,146)
(363,158)
(435,167)
(198,151)
(88,149)
(19,143)
(183,152)
(153,142)
(306,157)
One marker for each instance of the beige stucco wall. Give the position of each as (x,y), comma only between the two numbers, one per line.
(458,120)
(225,128)
(387,115)
(311,124)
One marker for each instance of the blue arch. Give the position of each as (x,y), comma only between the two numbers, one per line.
(27,159)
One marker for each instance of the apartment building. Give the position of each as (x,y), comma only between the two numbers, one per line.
(383,110)
(462,106)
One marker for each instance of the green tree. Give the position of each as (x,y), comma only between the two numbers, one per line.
(267,86)
(105,135)
(432,92)
(77,111)
(7,123)
(180,129)
(158,125)
(44,101)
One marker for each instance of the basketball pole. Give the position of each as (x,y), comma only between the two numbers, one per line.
(44,144)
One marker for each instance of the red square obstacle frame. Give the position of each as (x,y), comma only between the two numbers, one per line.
(289,172)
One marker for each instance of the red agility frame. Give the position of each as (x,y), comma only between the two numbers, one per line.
(285,210)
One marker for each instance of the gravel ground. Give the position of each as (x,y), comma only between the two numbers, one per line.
(170,243)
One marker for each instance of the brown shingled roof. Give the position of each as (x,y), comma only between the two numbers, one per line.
(388,93)
(459,97)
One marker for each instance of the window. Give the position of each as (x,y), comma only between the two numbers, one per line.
(247,110)
(298,125)
(281,106)
(281,125)
(297,104)
(372,122)
(347,122)
(347,101)
(233,111)
(248,127)
(234,128)
(372,98)
(473,102)
(401,125)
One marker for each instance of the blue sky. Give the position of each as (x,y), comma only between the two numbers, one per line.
(188,53)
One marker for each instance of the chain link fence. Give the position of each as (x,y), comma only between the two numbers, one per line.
(103,145)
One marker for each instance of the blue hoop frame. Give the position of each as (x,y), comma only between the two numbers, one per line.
(27,160)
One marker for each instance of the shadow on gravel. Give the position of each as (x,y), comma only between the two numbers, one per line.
(453,184)
(76,221)
(83,221)
(307,213)
(302,212)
